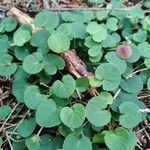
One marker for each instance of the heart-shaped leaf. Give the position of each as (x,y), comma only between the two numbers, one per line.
(109,75)
(131,116)
(73,117)
(96,107)
(64,88)
(7,68)
(52,63)
(120,139)
(72,142)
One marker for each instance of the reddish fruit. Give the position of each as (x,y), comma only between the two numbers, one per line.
(124,51)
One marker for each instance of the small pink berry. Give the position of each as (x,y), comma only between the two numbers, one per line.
(124,51)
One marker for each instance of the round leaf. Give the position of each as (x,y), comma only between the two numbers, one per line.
(33,64)
(4,112)
(112,24)
(32,97)
(21,37)
(33,143)
(26,127)
(47,19)
(47,114)
(58,42)
(9,24)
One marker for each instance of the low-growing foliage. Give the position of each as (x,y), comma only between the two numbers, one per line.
(113,43)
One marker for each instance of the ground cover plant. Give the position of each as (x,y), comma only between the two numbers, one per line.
(76,78)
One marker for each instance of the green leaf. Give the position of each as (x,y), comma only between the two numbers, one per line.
(124,97)
(39,39)
(111,40)
(147,3)
(47,114)
(21,37)
(120,139)
(73,30)
(77,16)
(110,76)
(112,57)
(47,19)
(131,116)
(94,82)
(148,83)
(90,43)
(135,54)
(144,49)
(112,24)
(82,84)
(52,63)
(26,127)
(96,107)
(58,42)
(140,36)
(18,88)
(33,143)
(4,45)
(19,145)
(146,23)
(132,85)
(147,62)
(136,12)
(7,68)
(72,142)
(32,96)
(33,64)
(73,117)
(4,112)
(95,51)
(1,141)
(107,96)
(97,31)
(64,88)
(9,24)
(101,15)
(96,1)
(49,143)
(21,52)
